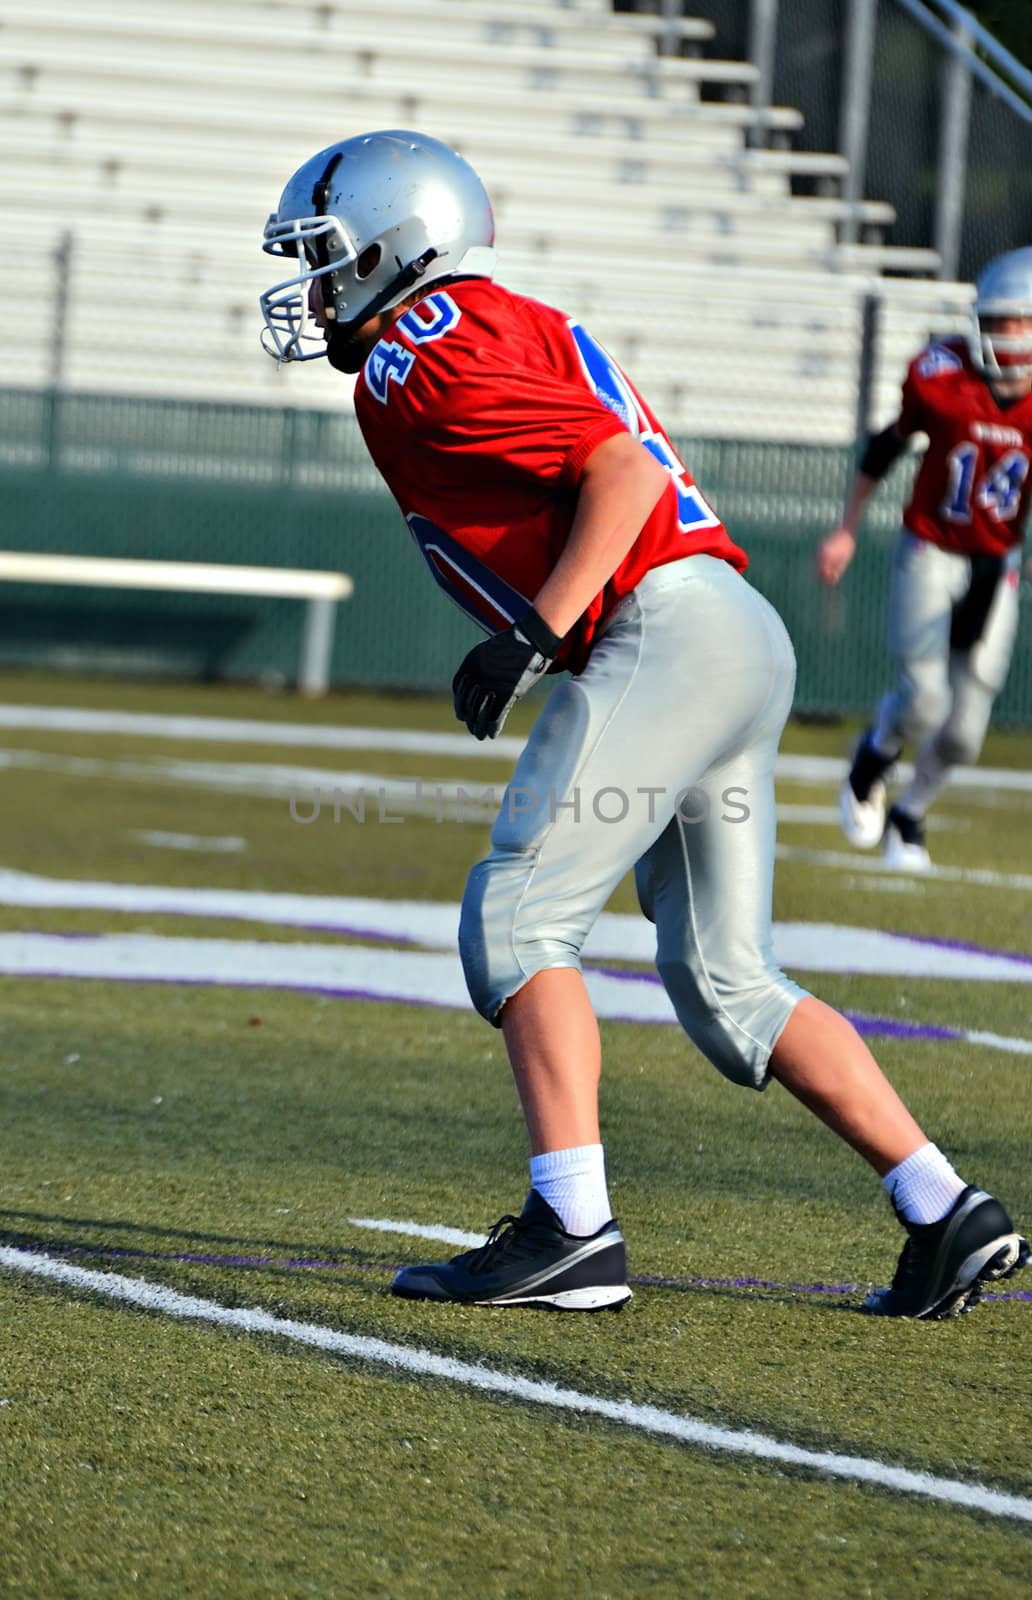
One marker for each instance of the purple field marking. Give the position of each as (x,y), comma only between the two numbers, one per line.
(871,1027)
(339,928)
(347,930)
(894,1028)
(964,945)
(237,983)
(306,1264)
(343,930)
(625,974)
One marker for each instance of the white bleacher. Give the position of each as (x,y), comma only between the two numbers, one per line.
(157,138)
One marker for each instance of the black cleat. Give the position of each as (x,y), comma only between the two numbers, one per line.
(529,1260)
(868,768)
(945,1265)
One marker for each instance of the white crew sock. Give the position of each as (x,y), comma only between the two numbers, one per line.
(924,1186)
(574,1184)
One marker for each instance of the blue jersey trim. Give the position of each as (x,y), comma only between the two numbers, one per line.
(486,598)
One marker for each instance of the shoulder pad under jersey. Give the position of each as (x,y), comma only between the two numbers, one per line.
(937,360)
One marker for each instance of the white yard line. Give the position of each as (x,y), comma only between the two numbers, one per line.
(232,730)
(326,796)
(425,1363)
(409,977)
(998,1041)
(823,770)
(616,936)
(831,817)
(433,923)
(983,876)
(228,730)
(900,884)
(421,1230)
(321,795)
(315,793)
(217,844)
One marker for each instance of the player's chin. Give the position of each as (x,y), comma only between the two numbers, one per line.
(343,353)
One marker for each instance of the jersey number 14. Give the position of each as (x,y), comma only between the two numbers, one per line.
(997,491)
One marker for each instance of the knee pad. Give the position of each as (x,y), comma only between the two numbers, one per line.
(959,741)
(503,941)
(925,708)
(488,959)
(734,1027)
(959,746)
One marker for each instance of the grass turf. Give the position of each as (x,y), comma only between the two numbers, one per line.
(145,1124)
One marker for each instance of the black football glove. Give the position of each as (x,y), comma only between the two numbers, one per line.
(499,672)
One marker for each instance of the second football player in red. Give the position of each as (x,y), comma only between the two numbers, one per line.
(953,601)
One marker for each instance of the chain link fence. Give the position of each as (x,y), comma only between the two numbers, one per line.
(282,487)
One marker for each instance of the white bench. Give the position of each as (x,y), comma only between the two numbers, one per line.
(322,590)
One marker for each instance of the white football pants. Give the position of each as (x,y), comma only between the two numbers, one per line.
(659,756)
(941,692)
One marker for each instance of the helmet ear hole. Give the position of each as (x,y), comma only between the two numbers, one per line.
(369,260)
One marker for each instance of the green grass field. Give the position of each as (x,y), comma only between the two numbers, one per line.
(218,1140)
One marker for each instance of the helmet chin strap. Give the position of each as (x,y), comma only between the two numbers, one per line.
(342,349)
(407,278)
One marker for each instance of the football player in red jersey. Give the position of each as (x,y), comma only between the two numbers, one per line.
(549,503)
(953,605)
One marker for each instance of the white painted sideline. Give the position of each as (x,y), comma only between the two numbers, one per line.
(325,795)
(219,844)
(818,770)
(410,977)
(616,936)
(983,876)
(237,730)
(403,1358)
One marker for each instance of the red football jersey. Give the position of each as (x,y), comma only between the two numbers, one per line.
(480,408)
(973,488)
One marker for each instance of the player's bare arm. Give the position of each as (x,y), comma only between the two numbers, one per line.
(620,485)
(836,551)
(619,488)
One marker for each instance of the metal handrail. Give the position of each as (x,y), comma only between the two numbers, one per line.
(955,44)
(1009,64)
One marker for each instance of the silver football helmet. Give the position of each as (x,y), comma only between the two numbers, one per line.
(1004,289)
(371,216)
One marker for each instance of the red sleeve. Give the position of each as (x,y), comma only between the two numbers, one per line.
(493,420)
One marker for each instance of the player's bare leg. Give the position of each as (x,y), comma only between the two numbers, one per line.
(555,1053)
(959,1239)
(822,1060)
(565,1249)
(553,1042)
